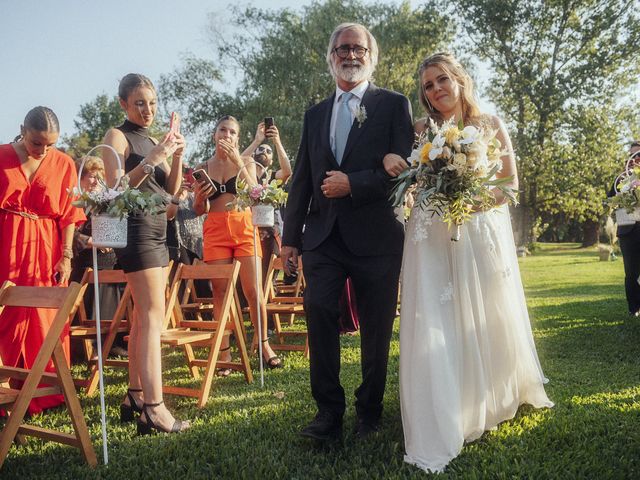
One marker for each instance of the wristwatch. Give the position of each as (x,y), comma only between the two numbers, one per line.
(146,168)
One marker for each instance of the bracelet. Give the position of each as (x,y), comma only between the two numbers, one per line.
(67,253)
(174,201)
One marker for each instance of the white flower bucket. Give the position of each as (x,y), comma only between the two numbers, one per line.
(108,231)
(263,216)
(625,218)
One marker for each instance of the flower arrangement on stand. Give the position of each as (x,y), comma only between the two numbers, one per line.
(626,202)
(262,198)
(109,208)
(453,170)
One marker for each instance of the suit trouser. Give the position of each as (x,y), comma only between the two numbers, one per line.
(630,247)
(375,281)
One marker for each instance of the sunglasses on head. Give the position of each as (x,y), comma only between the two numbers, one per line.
(260,150)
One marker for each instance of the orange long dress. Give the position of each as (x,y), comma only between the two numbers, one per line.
(29,250)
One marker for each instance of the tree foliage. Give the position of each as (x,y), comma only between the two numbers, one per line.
(555,63)
(279,56)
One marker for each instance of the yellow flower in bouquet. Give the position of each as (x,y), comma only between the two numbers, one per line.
(455,174)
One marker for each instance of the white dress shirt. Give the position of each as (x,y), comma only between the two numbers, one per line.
(354,104)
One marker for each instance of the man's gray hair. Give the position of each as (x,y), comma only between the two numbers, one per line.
(373,45)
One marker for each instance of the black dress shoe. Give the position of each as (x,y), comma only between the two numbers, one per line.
(325,426)
(366,428)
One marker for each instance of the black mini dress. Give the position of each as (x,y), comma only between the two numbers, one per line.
(146,233)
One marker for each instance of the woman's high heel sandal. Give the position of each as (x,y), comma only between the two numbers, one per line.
(273,362)
(224,372)
(127,412)
(145,428)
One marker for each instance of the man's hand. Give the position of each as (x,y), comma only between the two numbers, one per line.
(394,164)
(289,257)
(336,185)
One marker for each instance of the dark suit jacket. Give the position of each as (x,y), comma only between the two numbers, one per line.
(366,219)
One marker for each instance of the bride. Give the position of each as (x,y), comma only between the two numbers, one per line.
(467,357)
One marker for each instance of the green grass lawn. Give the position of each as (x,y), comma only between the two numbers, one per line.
(588,347)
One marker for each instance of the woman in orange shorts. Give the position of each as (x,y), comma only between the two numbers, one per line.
(228,234)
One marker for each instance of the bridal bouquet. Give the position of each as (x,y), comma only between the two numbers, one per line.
(453,169)
(261,194)
(120,201)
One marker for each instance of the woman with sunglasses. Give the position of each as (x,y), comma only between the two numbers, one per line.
(263,154)
(228,234)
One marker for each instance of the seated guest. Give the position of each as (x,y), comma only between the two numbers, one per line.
(37,221)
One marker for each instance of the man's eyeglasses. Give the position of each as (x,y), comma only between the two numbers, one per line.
(343,51)
(266,150)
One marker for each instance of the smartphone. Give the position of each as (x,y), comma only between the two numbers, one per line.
(201,175)
(174,123)
(268,122)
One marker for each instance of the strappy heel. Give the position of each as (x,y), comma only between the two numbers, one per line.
(145,428)
(224,371)
(127,412)
(273,362)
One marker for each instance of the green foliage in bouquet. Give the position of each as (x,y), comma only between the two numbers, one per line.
(453,171)
(263,193)
(628,193)
(120,201)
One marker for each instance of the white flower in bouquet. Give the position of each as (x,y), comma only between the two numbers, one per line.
(454,168)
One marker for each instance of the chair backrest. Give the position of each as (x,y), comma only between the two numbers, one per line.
(64,299)
(271,279)
(109,277)
(186,274)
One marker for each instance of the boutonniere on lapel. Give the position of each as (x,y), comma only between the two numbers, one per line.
(361,115)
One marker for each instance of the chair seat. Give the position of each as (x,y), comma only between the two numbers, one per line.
(86,332)
(182,337)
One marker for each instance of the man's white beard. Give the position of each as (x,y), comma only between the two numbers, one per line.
(353,75)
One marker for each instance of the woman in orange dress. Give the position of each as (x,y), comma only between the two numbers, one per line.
(37,222)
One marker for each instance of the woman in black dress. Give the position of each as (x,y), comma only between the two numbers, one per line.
(145,258)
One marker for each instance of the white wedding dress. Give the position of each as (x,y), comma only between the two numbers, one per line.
(467,357)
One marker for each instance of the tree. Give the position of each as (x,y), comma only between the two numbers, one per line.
(93,121)
(280,56)
(549,58)
(191,90)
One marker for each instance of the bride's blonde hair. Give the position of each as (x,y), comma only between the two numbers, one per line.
(454,69)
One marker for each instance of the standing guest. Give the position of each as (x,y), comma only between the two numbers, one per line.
(37,222)
(145,258)
(228,234)
(629,238)
(340,194)
(263,154)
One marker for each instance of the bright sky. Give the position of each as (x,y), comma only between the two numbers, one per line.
(63,53)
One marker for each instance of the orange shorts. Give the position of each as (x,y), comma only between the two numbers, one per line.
(228,235)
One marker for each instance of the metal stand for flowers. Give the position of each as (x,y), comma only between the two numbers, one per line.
(259,218)
(104,241)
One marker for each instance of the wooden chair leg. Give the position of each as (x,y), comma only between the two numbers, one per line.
(73,405)
(214,353)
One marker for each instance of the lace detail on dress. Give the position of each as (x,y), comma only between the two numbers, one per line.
(447,293)
(422,220)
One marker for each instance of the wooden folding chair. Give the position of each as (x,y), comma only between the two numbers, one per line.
(295,289)
(16,401)
(86,329)
(277,305)
(206,333)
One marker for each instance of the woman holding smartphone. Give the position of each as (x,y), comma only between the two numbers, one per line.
(228,234)
(145,258)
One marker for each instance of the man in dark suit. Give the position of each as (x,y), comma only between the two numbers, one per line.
(340,196)
(629,238)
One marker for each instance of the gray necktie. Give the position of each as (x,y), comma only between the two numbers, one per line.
(343,125)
